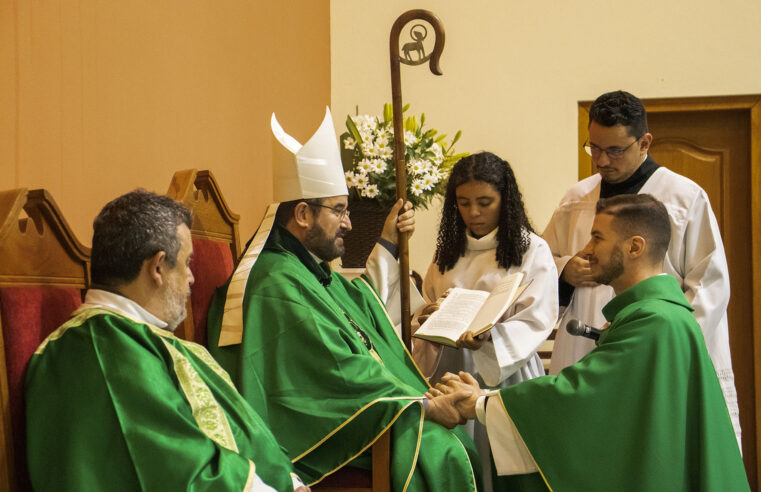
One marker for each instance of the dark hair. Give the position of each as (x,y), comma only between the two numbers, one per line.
(620,108)
(640,215)
(285,209)
(131,229)
(513,236)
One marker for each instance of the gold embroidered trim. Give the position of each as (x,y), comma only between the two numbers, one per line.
(472,474)
(524,442)
(385,429)
(383,306)
(417,449)
(346,422)
(209,416)
(203,354)
(78,317)
(251,476)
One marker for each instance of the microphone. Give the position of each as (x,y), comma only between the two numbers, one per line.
(579,329)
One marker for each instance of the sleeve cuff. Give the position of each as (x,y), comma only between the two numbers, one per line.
(390,247)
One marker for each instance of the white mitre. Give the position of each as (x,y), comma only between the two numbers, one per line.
(312,170)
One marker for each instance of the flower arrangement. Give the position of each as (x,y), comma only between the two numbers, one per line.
(367,152)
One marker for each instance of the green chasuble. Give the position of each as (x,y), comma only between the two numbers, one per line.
(643,411)
(323,365)
(115,404)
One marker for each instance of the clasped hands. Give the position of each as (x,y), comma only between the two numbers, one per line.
(453,401)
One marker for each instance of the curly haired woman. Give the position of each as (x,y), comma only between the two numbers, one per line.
(484,236)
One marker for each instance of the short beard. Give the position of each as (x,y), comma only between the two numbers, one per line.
(176,308)
(613,269)
(325,248)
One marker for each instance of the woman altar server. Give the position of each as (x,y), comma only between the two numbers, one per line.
(485,235)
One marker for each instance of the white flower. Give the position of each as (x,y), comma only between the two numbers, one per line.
(428,181)
(410,138)
(364,166)
(378,165)
(365,123)
(385,152)
(361,180)
(349,143)
(417,187)
(351,179)
(416,166)
(368,149)
(370,191)
(438,154)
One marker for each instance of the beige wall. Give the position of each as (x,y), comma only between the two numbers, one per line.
(514,72)
(97,98)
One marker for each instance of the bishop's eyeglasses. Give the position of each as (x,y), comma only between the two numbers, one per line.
(340,212)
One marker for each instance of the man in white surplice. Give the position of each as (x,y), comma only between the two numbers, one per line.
(618,143)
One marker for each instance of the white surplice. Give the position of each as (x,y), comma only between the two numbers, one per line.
(695,258)
(510,356)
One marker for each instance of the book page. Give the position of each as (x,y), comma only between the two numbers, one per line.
(500,299)
(455,313)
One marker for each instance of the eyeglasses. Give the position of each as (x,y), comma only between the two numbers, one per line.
(612,152)
(340,212)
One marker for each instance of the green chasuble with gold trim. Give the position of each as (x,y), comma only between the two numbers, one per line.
(643,411)
(115,404)
(323,365)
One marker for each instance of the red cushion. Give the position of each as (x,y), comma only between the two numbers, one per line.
(212,265)
(29,315)
(347,477)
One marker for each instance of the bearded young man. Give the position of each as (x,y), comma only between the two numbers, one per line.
(618,143)
(643,410)
(318,355)
(116,402)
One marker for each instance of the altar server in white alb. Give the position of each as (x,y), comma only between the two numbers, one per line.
(484,236)
(618,143)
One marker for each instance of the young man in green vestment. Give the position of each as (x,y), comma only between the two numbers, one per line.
(114,401)
(646,406)
(317,355)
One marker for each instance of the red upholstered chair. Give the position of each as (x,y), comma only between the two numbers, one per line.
(216,244)
(43,272)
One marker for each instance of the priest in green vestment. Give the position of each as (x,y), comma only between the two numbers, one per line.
(317,355)
(114,401)
(644,410)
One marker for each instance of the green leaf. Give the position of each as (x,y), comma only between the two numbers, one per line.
(405,107)
(388,112)
(441,137)
(422,120)
(456,138)
(353,130)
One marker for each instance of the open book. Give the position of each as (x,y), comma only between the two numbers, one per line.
(470,310)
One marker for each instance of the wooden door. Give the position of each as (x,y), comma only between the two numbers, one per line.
(715,142)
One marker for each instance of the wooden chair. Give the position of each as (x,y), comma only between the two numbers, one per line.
(43,272)
(350,479)
(216,244)
(545,349)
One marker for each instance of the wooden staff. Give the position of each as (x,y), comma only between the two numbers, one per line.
(414,47)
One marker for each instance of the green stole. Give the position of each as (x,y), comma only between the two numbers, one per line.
(116,404)
(323,365)
(642,411)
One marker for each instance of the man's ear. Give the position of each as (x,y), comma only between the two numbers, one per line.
(636,247)
(303,215)
(156,266)
(644,143)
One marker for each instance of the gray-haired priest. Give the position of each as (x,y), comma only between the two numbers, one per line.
(114,401)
